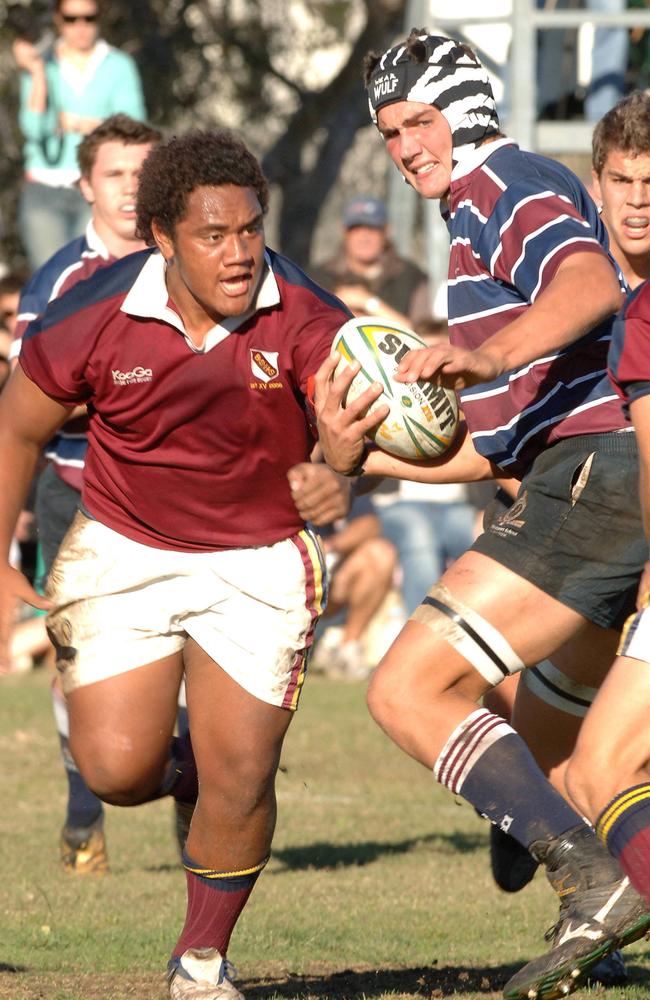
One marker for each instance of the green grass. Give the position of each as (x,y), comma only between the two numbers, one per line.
(379,883)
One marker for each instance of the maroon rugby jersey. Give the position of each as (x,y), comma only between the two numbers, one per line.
(629,352)
(188,449)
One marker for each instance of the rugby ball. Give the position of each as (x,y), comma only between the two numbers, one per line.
(423,417)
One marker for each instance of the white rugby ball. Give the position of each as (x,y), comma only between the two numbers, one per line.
(423,417)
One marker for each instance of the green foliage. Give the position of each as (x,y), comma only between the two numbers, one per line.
(378,885)
(287,76)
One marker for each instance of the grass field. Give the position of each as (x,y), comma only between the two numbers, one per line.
(378,886)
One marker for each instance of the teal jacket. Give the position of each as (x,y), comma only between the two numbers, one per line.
(113,87)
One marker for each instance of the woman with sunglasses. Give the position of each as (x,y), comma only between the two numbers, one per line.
(67,88)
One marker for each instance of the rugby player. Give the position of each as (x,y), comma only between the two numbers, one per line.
(188,555)
(609,774)
(552,697)
(109,159)
(532,292)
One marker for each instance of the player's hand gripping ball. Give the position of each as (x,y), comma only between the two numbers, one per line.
(423,417)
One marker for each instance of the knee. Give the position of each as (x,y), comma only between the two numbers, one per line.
(115,778)
(386,699)
(382,557)
(246,781)
(586,784)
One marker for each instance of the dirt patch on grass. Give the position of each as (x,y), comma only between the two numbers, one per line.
(321,983)
(84,986)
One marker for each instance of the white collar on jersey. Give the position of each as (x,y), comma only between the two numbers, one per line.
(476,157)
(148,298)
(95,242)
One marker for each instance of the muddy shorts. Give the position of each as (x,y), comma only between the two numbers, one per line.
(575,528)
(120,605)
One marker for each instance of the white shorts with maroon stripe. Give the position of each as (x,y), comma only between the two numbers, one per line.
(635,638)
(121,605)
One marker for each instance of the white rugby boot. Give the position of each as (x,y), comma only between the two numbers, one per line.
(201,974)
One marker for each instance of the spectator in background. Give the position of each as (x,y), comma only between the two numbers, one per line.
(557,62)
(64,94)
(367,274)
(361,565)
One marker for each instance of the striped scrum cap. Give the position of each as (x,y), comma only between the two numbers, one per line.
(450,77)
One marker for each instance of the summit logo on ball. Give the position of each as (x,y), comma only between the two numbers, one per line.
(423,416)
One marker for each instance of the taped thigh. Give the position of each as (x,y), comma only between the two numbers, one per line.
(479,642)
(552,686)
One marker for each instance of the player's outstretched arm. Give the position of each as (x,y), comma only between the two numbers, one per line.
(28,418)
(460,464)
(583,293)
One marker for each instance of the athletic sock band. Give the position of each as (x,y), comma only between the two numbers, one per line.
(624,828)
(486,760)
(210,873)
(623,817)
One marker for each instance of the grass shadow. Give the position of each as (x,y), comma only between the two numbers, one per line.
(323,854)
(427,981)
(351,984)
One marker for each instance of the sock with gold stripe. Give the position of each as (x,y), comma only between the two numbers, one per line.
(214,901)
(624,827)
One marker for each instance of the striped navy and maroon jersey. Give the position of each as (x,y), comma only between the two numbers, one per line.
(514,217)
(188,449)
(629,352)
(74,262)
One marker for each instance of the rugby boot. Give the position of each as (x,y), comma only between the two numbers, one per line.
(201,974)
(183,812)
(83,849)
(513,867)
(599,912)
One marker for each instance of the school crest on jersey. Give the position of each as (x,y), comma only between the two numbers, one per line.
(264,365)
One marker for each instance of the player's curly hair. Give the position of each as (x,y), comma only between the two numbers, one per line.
(177,167)
(625,127)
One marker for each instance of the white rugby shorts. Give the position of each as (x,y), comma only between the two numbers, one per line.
(121,605)
(635,637)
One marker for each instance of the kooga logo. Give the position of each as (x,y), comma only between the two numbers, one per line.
(385,85)
(138,374)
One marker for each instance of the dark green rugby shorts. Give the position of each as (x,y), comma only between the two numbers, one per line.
(575,528)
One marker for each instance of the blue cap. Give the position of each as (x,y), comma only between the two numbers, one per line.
(365,211)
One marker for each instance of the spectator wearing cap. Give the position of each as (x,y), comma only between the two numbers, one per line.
(368,274)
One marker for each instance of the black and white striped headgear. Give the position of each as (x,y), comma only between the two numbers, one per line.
(449,76)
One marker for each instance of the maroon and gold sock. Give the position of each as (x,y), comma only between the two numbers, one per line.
(624,828)
(214,901)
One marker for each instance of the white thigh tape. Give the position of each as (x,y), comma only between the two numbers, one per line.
(552,686)
(480,643)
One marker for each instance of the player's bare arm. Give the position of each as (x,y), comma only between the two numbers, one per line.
(28,418)
(460,464)
(584,292)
